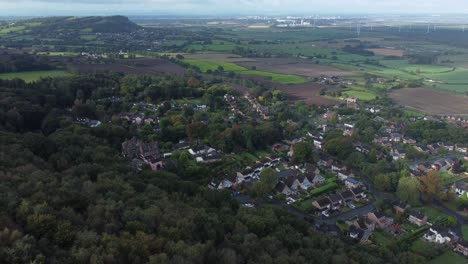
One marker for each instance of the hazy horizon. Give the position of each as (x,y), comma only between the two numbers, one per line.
(228,7)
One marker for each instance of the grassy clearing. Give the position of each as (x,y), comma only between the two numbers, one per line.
(56,53)
(361,95)
(449,257)
(277,77)
(206,66)
(34,75)
(413,113)
(12,29)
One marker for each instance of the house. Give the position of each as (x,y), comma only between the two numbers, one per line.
(395,137)
(336,201)
(201,150)
(148,152)
(417,218)
(409,141)
(354,232)
(462,247)
(226,183)
(284,174)
(380,219)
(322,205)
(347,197)
(439,235)
(358,193)
(181,145)
(337,167)
(136,148)
(400,208)
(461,189)
(439,164)
(281,187)
(318,143)
(304,182)
(293,183)
(361,229)
(342,175)
(317,180)
(155,162)
(352,183)
(462,149)
(211,157)
(398,153)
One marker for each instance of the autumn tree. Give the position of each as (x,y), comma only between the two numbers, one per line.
(430,186)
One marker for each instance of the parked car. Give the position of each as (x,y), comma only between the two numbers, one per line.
(351,206)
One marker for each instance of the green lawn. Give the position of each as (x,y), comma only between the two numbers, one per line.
(381,239)
(449,257)
(419,246)
(205,66)
(360,94)
(465,232)
(432,213)
(34,75)
(305,205)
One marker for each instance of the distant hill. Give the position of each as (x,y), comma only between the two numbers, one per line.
(95,24)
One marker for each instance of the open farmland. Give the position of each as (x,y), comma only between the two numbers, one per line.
(32,76)
(134,67)
(216,56)
(431,101)
(206,66)
(308,92)
(388,52)
(295,67)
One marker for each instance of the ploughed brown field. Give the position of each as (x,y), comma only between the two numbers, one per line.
(308,92)
(431,101)
(134,67)
(294,67)
(388,52)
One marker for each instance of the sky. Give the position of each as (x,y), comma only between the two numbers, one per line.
(227,7)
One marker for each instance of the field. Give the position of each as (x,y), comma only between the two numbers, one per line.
(33,75)
(134,67)
(217,57)
(388,52)
(360,94)
(431,101)
(206,66)
(294,67)
(54,53)
(309,93)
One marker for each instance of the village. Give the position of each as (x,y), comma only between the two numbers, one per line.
(315,184)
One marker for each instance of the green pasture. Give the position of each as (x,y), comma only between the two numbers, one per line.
(34,75)
(205,66)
